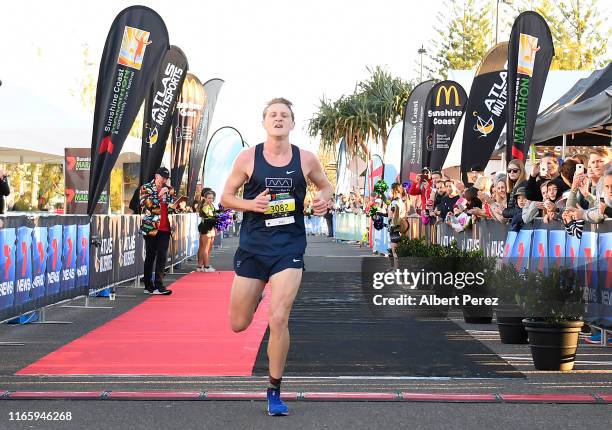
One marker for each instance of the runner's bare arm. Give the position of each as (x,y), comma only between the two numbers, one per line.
(314,172)
(239,175)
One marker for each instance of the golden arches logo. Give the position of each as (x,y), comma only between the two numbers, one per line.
(448,91)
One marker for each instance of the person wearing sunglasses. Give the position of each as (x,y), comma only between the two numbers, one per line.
(515,179)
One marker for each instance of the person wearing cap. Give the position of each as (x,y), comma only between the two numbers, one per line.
(474,173)
(516,212)
(156,198)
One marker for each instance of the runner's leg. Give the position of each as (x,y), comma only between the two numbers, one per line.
(244,297)
(285,286)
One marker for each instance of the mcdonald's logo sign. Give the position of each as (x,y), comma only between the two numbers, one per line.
(448,91)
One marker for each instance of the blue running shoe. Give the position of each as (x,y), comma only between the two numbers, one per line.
(276,407)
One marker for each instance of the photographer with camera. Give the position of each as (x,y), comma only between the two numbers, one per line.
(4,189)
(156,198)
(422,187)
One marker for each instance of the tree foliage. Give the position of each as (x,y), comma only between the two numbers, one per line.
(366,114)
(464,33)
(580,32)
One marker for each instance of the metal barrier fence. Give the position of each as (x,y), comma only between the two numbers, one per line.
(45,259)
(536,247)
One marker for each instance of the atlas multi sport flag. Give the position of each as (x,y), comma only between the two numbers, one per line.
(135,46)
(158,114)
(187,117)
(444,107)
(485,116)
(414,116)
(530,52)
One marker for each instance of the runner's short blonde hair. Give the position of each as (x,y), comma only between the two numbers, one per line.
(279,100)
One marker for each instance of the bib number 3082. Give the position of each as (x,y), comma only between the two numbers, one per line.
(280,207)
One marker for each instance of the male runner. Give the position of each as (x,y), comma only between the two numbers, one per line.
(272,235)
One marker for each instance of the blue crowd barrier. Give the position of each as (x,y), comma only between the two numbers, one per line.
(381,242)
(540,245)
(349,226)
(315,225)
(45,259)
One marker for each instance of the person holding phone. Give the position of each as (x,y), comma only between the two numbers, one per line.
(156,199)
(545,170)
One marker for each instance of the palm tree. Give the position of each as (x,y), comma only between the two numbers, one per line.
(368,113)
(385,99)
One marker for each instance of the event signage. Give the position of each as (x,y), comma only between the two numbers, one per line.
(82,268)
(54,259)
(135,46)
(23,265)
(7,267)
(212,87)
(69,258)
(530,53)
(414,117)
(224,146)
(40,243)
(158,114)
(444,107)
(187,117)
(77,162)
(127,243)
(486,110)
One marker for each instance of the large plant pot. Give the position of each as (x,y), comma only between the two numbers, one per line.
(553,346)
(477,314)
(510,325)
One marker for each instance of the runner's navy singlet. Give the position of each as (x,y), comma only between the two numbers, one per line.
(281,229)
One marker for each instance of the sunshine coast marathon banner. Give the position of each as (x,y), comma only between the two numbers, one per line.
(186,121)
(76,183)
(444,107)
(212,87)
(414,116)
(486,110)
(135,46)
(158,114)
(530,53)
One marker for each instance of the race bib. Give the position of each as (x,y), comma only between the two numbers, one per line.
(280,207)
(280,210)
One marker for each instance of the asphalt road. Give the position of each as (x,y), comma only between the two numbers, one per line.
(308,415)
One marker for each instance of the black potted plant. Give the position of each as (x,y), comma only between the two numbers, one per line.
(554,307)
(508,285)
(475,262)
(416,255)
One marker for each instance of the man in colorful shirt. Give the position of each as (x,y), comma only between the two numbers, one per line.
(156,198)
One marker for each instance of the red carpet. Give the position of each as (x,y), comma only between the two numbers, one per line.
(185,334)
